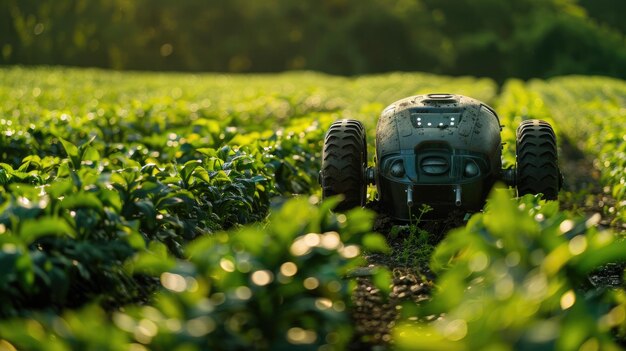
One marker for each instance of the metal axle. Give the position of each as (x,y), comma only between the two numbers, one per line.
(509,176)
(409,196)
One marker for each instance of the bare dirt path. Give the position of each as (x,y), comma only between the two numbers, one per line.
(375,312)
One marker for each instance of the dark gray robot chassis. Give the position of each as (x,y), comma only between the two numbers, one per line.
(443,150)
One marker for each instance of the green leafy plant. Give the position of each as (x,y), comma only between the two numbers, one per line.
(274,286)
(516,278)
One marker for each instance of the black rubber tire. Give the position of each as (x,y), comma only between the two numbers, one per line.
(537,160)
(344,160)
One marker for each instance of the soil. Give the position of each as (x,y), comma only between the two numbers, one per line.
(375,313)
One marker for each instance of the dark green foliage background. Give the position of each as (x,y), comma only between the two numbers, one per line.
(497,39)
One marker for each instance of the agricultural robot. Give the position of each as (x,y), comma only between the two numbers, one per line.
(443,150)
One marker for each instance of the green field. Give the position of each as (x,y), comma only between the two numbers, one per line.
(154,211)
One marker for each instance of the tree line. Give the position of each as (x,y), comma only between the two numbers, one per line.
(492,38)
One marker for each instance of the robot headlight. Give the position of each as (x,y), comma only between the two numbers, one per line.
(397,169)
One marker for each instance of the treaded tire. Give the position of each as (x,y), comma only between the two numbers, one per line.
(344,160)
(537,160)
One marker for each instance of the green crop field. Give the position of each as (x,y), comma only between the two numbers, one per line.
(162,211)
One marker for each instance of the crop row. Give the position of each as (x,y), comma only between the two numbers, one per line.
(107,177)
(124,200)
(589,113)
